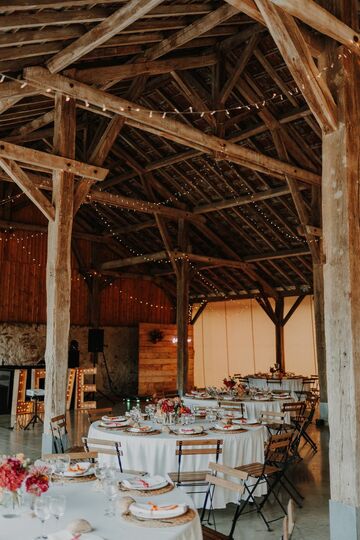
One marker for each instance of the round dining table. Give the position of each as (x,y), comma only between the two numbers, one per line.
(252,407)
(289,384)
(156,454)
(84,501)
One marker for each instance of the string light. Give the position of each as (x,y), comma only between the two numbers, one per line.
(276,96)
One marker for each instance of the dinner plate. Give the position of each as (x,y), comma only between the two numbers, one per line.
(139,483)
(245,421)
(84,469)
(151,511)
(188,430)
(232,416)
(142,429)
(227,427)
(279,396)
(111,425)
(261,398)
(113,418)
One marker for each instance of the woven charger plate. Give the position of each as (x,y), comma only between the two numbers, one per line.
(75,479)
(160,523)
(142,433)
(147,492)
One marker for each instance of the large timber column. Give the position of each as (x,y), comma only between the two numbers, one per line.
(182,312)
(58,270)
(341,230)
(319,314)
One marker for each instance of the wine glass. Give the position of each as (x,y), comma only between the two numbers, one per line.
(57,506)
(61,465)
(42,511)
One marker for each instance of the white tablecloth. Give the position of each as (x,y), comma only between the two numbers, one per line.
(253,408)
(292,385)
(195,402)
(82,501)
(156,454)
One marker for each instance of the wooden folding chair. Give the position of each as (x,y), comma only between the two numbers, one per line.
(96,414)
(274,421)
(269,472)
(211,447)
(214,481)
(109,448)
(60,435)
(234,406)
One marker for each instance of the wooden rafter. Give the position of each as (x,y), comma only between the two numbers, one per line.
(296,54)
(166,127)
(103,75)
(116,22)
(322,20)
(26,185)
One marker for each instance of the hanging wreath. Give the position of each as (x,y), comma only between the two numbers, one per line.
(156,335)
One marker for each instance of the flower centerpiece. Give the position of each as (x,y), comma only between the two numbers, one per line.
(230,383)
(168,408)
(14,473)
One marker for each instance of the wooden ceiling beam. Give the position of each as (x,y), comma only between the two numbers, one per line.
(240,201)
(167,128)
(30,156)
(114,24)
(317,17)
(26,185)
(194,98)
(133,261)
(296,54)
(197,28)
(106,74)
(251,10)
(238,68)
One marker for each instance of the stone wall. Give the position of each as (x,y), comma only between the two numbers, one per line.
(22,344)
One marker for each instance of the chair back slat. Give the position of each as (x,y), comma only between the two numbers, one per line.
(109,448)
(197,451)
(224,469)
(227,484)
(97,414)
(199,442)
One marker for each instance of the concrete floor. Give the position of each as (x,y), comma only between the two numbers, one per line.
(311,477)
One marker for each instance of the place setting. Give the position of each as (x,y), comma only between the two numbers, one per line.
(155,515)
(146,485)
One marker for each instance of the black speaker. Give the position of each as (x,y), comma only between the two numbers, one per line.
(95,340)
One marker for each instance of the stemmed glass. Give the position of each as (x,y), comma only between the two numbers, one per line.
(57,506)
(61,464)
(111,490)
(42,511)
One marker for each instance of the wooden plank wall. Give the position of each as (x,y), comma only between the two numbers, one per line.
(127,301)
(158,361)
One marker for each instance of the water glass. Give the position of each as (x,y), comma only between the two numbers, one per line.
(111,490)
(42,511)
(57,506)
(61,465)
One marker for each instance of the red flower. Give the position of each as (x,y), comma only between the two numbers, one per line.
(229,383)
(38,481)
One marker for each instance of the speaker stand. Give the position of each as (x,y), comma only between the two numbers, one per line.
(103,394)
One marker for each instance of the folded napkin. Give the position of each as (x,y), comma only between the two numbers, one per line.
(146,482)
(150,509)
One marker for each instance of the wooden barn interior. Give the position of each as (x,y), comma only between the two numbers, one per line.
(160,159)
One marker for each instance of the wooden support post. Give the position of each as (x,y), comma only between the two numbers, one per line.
(341,231)
(318,280)
(279,333)
(182,313)
(58,270)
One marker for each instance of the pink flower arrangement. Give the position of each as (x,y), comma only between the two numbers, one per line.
(230,383)
(175,405)
(12,472)
(37,482)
